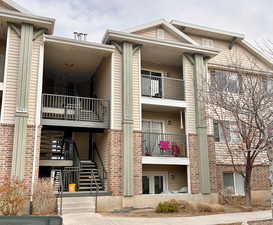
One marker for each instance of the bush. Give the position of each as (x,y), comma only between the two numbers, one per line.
(205,207)
(44,199)
(186,206)
(167,207)
(12,197)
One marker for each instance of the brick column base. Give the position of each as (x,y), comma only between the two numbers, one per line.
(6,143)
(194,164)
(110,147)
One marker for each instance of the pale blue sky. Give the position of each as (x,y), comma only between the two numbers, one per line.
(251,17)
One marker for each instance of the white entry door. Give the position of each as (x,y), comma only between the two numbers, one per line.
(154,182)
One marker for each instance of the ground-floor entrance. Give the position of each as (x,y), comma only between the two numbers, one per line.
(69,156)
(164,179)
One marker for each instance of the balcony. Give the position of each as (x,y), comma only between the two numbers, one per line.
(63,110)
(162,87)
(163,145)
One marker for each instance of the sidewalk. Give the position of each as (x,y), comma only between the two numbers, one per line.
(97,219)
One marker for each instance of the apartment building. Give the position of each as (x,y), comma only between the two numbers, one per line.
(121,117)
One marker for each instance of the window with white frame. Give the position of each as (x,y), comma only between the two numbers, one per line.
(269,85)
(151,83)
(154,182)
(233,183)
(225,81)
(226,130)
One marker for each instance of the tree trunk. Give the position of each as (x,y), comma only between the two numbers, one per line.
(271,179)
(247,186)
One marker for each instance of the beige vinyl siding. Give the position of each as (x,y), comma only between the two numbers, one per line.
(10,80)
(102,79)
(189,96)
(237,55)
(173,117)
(117,91)
(152,33)
(5,6)
(33,86)
(136,91)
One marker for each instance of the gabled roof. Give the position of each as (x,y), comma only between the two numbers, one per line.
(206,31)
(12,4)
(222,34)
(169,27)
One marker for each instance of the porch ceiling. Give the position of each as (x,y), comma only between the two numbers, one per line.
(161,55)
(73,59)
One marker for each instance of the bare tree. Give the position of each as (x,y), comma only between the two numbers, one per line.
(240,102)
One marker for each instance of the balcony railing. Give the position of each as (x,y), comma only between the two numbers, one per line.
(161,144)
(162,87)
(62,107)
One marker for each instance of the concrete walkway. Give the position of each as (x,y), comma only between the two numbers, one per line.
(97,219)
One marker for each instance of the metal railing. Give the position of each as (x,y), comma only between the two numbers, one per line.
(161,144)
(162,87)
(64,107)
(101,169)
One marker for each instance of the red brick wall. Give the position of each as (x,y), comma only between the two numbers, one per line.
(6,145)
(259,177)
(194,164)
(110,147)
(212,164)
(137,163)
(115,162)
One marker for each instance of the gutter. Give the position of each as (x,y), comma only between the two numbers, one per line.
(17,17)
(86,44)
(110,34)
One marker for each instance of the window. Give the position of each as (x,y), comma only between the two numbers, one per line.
(154,182)
(269,85)
(151,83)
(228,129)
(225,81)
(233,183)
(160,33)
(207,42)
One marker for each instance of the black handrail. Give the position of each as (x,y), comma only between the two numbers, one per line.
(104,173)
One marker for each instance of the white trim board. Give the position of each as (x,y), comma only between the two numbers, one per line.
(169,27)
(1,86)
(165,160)
(163,102)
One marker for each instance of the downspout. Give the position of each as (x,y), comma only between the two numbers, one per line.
(38,118)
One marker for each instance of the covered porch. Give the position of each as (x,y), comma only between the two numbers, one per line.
(76,83)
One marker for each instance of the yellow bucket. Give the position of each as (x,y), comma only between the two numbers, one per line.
(71,187)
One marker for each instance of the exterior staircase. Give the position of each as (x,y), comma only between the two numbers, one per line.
(89,177)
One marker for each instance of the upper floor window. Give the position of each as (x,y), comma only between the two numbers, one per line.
(207,42)
(226,131)
(269,85)
(151,83)
(225,81)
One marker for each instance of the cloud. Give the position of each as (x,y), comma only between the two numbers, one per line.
(253,18)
